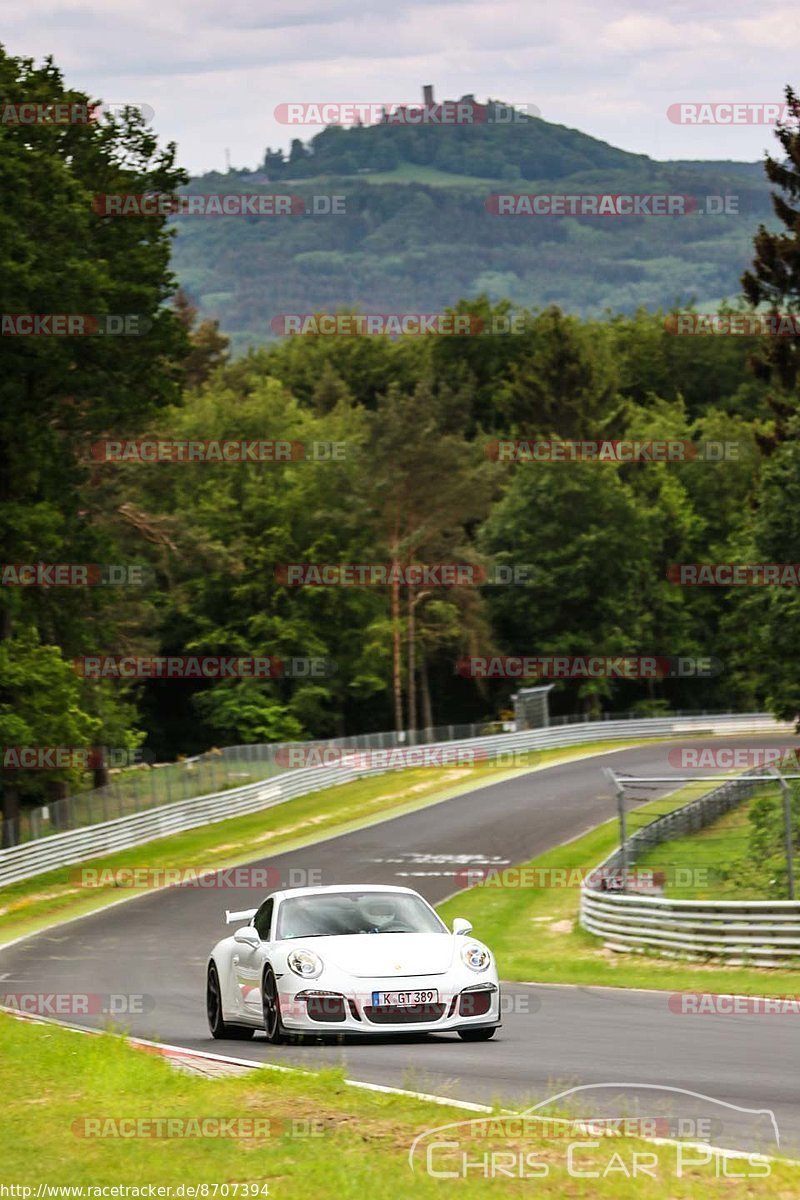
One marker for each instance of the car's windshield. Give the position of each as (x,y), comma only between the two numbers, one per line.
(342,913)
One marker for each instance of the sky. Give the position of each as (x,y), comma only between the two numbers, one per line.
(214,71)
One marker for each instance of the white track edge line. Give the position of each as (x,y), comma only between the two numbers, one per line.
(182,1051)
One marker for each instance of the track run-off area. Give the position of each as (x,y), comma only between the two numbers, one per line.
(553,1038)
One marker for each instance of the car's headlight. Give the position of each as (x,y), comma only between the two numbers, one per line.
(305,963)
(477,958)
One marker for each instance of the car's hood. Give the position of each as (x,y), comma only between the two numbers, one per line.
(391,955)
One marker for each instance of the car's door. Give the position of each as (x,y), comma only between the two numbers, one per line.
(248,964)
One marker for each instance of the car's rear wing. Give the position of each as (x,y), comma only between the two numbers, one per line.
(232,917)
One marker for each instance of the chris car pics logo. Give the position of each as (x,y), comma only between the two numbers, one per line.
(679,1128)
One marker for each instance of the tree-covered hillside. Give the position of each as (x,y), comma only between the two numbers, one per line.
(418,233)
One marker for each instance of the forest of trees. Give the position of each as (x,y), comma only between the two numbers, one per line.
(492,148)
(422,239)
(416,484)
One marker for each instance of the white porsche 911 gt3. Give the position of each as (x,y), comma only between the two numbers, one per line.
(367,959)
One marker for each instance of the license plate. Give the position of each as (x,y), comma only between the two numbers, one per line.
(402,999)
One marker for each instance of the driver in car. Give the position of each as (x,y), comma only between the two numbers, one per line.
(379,915)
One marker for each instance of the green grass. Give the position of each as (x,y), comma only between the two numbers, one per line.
(724,861)
(416,173)
(718,858)
(318,1136)
(408,172)
(535,935)
(45,899)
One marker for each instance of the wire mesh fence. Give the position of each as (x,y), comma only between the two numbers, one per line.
(738,840)
(708,878)
(145,787)
(139,789)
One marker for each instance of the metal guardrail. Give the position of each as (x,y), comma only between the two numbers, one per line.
(759,933)
(78,845)
(742,932)
(134,791)
(152,786)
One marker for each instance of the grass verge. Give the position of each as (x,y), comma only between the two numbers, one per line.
(535,935)
(45,899)
(726,860)
(308,1136)
(712,864)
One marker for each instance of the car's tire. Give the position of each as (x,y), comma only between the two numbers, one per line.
(219,1027)
(273,1025)
(477,1035)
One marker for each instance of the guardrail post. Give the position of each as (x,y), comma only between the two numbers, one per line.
(787,826)
(623,834)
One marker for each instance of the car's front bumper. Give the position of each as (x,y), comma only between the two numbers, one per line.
(322,1008)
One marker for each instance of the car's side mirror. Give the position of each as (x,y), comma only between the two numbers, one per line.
(247,936)
(461,925)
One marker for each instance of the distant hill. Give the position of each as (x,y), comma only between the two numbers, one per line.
(417,234)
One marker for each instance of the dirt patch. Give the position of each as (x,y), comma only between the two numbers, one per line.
(450,777)
(562,927)
(36,897)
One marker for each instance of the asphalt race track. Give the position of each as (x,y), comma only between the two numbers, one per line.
(553,1038)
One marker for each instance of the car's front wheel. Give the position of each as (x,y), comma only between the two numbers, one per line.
(219,1027)
(273,1025)
(476,1035)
